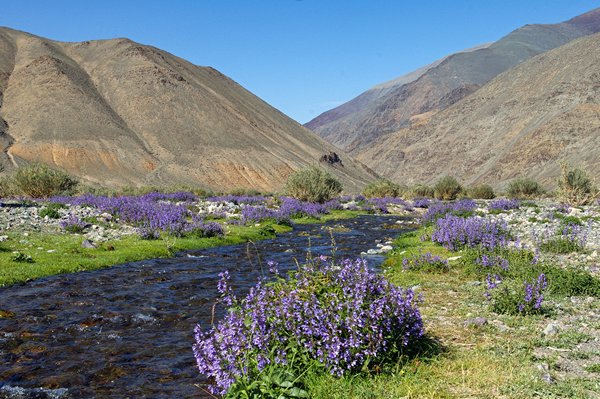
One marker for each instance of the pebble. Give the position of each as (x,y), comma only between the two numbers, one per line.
(88,244)
(477,321)
(551,329)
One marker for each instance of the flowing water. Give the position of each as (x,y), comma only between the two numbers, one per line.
(127,331)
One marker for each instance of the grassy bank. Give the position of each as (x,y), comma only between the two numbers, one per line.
(490,357)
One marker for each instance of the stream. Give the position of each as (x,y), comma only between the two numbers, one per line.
(127,331)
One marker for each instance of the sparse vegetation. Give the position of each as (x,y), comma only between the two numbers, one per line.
(576,186)
(482,191)
(312,184)
(447,188)
(524,188)
(40,181)
(381,189)
(422,191)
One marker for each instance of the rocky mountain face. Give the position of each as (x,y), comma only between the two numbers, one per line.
(523,122)
(116,112)
(414,98)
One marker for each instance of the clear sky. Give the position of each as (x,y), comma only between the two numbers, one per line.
(301,56)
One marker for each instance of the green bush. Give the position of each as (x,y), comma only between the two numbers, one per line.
(40,181)
(51,210)
(422,191)
(7,187)
(312,184)
(483,191)
(447,188)
(524,188)
(382,188)
(575,186)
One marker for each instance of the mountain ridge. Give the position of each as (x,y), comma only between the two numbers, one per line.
(116,112)
(451,78)
(525,121)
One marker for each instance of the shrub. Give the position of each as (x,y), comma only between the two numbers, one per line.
(343,318)
(447,188)
(381,188)
(313,185)
(40,181)
(7,187)
(575,186)
(20,257)
(524,188)
(422,191)
(483,191)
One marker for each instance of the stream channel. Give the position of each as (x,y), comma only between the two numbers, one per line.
(127,331)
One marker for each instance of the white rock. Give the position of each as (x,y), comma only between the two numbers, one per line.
(551,329)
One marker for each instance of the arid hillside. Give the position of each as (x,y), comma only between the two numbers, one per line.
(523,122)
(412,99)
(115,112)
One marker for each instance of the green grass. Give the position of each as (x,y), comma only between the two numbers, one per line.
(69,256)
(475,361)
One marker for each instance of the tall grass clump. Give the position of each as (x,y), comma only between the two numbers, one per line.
(422,191)
(337,318)
(575,186)
(447,188)
(40,181)
(312,184)
(482,191)
(524,188)
(382,188)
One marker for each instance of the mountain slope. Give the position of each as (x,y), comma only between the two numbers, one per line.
(523,122)
(354,125)
(117,112)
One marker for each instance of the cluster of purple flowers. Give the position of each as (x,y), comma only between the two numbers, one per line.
(492,261)
(504,204)
(152,213)
(534,295)
(425,262)
(289,208)
(73,224)
(380,205)
(421,202)
(340,315)
(437,210)
(238,199)
(454,233)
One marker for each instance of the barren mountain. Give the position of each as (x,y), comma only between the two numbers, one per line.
(413,98)
(116,112)
(523,122)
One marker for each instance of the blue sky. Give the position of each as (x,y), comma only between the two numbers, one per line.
(301,56)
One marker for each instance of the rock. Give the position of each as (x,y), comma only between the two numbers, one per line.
(88,244)
(551,329)
(51,251)
(386,248)
(373,252)
(545,369)
(450,259)
(3,238)
(477,321)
